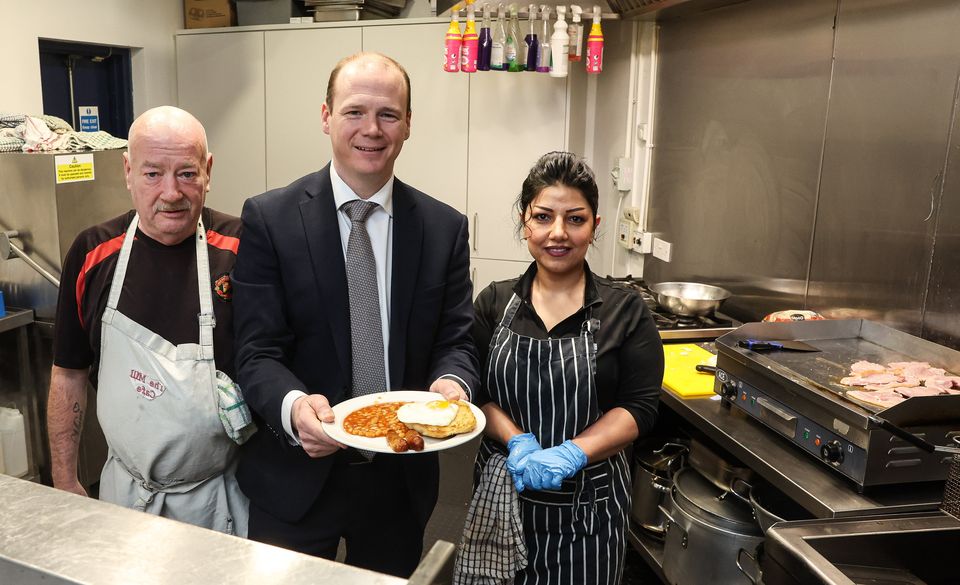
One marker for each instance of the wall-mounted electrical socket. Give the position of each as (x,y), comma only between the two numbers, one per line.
(632,213)
(662,249)
(625,229)
(642,242)
(623,174)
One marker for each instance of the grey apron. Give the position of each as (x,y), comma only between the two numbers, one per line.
(576,534)
(157,404)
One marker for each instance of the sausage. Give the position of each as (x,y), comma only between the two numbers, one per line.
(396,441)
(414,440)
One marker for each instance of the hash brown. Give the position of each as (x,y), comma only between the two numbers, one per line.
(463,422)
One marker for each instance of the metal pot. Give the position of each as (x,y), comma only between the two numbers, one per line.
(769,504)
(705,532)
(715,468)
(653,471)
(689,299)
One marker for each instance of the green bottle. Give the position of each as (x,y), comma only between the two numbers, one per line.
(511,49)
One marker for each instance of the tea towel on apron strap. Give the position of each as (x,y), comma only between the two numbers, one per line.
(157,403)
(576,534)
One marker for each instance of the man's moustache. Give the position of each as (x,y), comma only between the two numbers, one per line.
(168,208)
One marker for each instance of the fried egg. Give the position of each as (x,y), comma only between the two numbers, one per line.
(436,412)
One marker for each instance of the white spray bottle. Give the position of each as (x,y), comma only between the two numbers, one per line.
(560,44)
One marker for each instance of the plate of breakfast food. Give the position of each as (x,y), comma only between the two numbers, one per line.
(404,421)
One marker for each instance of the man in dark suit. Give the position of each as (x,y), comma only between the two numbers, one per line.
(297,339)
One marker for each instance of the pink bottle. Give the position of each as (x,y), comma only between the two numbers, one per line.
(470,49)
(595,44)
(451,57)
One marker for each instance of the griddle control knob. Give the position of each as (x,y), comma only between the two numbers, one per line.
(728,389)
(832,452)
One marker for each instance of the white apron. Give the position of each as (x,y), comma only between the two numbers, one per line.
(157,403)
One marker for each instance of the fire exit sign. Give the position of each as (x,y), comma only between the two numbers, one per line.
(89,118)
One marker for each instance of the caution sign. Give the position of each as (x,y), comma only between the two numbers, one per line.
(72,168)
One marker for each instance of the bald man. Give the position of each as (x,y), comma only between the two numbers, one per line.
(133,320)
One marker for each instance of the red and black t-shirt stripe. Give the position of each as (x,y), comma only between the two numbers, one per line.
(159,292)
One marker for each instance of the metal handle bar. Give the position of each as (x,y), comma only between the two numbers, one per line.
(8,250)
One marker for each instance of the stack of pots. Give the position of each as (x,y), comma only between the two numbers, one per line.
(655,463)
(717,514)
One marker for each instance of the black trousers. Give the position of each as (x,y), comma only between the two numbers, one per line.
(368,505)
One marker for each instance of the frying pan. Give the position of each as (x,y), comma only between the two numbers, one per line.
(689,299)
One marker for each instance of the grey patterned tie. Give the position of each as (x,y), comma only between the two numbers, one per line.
(366,335)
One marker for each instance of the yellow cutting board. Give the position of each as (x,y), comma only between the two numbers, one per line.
(680,375)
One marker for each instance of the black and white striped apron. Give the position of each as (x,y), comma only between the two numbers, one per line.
(576,534)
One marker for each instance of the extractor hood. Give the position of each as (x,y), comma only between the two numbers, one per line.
(625,9)
(665,9)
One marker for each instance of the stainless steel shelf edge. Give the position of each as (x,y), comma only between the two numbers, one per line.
(15,318)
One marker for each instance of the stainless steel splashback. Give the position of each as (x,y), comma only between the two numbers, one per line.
(806,158)
(49,216)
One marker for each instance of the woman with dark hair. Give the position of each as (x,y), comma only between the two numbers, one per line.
(573,367)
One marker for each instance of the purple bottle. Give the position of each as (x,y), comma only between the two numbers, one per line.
(533,44)
(486,41)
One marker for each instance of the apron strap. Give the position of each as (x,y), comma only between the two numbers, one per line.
(206,317)
(510,311)
(121,272)
(154,487)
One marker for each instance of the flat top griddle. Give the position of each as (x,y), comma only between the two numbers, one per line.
(843,343)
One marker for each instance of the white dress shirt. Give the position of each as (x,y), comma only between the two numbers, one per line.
(380,228)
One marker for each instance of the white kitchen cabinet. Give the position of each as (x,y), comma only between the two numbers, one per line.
(220,81)
(514,119)
(297,66)
(434,159)
(483,272)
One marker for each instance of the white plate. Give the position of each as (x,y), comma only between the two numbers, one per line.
(379,444)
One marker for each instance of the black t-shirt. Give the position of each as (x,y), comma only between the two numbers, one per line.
(629,352)
(159,291)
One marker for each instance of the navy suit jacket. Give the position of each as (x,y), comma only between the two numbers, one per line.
(292,326)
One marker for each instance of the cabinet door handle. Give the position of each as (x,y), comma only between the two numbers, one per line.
(473,280)
(476,233)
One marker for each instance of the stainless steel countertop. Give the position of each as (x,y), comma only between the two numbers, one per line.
(52,537)
(808,482)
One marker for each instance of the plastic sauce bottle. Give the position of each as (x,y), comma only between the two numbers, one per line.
(543,59)
(559,44)
(14,441)
(451,57)
(497,59)
(531,41)
(486,41)
(471,42)
(576,34)
(514,48)
(595,44)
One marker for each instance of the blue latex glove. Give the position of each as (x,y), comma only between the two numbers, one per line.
(520,447)
(546,469)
